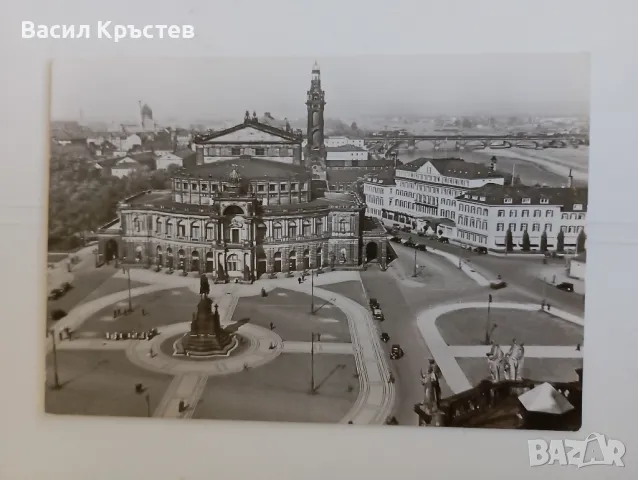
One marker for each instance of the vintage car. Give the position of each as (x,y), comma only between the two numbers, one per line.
(377,314)
(396,352)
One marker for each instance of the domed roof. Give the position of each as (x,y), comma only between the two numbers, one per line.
(146,111)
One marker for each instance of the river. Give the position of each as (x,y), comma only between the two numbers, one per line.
(546,167)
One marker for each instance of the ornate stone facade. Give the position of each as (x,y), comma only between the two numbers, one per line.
(241,220)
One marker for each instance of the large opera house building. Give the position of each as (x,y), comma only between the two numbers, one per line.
(247,207)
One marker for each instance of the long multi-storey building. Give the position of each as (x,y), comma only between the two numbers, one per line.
(470,204)
(486,214)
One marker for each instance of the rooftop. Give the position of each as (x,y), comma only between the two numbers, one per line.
(249,168)
(453,167)
(345,148)
(288,135)
(162,199)
(493,194)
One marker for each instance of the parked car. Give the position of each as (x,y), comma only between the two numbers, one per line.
(482,250)
(385,338)
(565,286)
(55,293)
(66,286)
(374,303)
(396,352)
(443,240)
(498,284)
(409,243)
(395,240)
(422,247)
(377,314)
(406,229)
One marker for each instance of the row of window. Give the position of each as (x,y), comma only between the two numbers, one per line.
(306,228)
(463,207)
(472,222)
(500,227)
(525,213)
(374,199)
(447,214)
(237,151)
(261,187)
(434,178)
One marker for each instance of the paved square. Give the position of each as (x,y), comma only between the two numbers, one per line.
(101,383)
(289,311)
(161,308)
(278,391)
(467,327)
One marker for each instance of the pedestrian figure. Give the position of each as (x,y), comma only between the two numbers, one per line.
(299,280)
(578,347)
(272,326)
(151,353)
(543,305)
(114,313)
(60,335)
(549,307)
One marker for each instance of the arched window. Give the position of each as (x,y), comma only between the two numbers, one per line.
(233,263)
(292,229)
(210,231)
(137,225)
(195,230)
(181,228)
(158,225)
(276,230)
(168,228)
(343,225)
(261,231)
(306,229)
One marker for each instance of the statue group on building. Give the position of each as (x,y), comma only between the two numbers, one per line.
(430,380)
(507,366)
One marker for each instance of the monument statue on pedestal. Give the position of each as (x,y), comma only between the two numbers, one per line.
(204,286)
(514,361)
(495,358)
(207,337)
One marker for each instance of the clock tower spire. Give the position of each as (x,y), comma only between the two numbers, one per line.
(315,101)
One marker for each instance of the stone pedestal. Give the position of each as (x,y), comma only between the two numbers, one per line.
(207,337)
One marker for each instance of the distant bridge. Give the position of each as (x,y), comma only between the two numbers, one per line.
(391,142)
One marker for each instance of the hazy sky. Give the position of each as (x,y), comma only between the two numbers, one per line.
(191,89)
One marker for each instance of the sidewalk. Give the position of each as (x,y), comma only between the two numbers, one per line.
(466,267)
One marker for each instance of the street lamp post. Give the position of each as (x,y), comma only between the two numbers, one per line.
(415,274)
(312,363)
(56,378)
(312,292)
(130,301)
(148,405)
(487,322)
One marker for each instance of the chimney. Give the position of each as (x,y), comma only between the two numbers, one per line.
(570,179)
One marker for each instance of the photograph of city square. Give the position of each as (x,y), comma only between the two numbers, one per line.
(395,240)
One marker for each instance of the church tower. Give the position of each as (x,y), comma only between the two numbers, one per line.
(315,148)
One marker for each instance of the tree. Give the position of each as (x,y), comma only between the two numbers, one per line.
(580,242)
(560,242)
(509,241)
(544,242)
(354,127)
(526,241)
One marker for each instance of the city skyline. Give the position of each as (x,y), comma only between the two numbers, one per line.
(521,84)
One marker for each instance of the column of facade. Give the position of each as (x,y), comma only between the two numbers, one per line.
(312,254)
(300,247)
(270,261)
(285,259)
